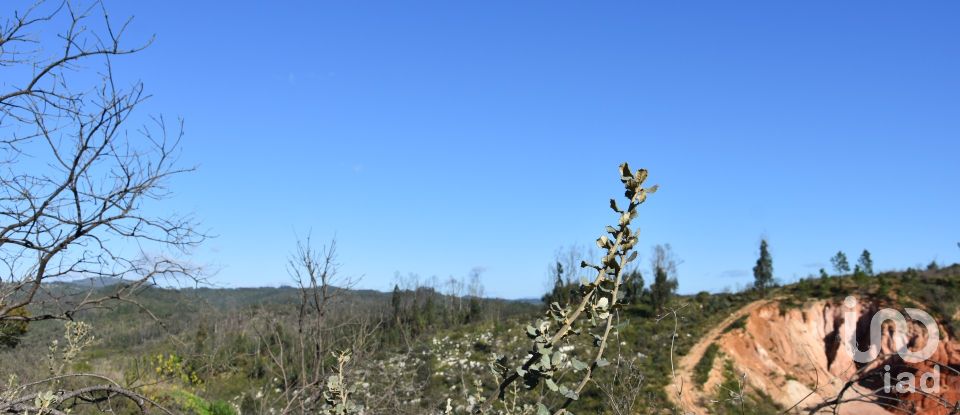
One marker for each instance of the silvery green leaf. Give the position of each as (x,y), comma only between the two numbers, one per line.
(531,331)
(602,241)
(542,409)
(333,381)
(602,362)
(641,175)
(552,385)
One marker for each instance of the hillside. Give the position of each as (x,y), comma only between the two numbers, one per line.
(733,353)
(785,350)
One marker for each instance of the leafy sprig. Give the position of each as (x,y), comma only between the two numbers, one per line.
(599,299)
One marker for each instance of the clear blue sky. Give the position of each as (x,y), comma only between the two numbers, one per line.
(434,137)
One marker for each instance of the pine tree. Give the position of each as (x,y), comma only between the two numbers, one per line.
(763,270)
(664,264)
(866,263)
(475,311)
(840,264)
(395,302)
(633,285)
(559,294)
(662,290)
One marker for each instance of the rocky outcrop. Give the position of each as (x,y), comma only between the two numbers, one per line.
(796,356)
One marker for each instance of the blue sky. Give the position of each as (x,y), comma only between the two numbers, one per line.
(434,137)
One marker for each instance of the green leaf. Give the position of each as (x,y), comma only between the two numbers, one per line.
(542,348)
(542,409)
(653,189)
(556,357)
(577,364)
(531,331)
(333,383)
(602,362)
(552,385)
(632,257)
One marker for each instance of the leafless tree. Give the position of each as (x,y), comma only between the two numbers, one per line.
(301,360)
(664,258)
(76,180)
(475,286)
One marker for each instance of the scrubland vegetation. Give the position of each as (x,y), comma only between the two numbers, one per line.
(88,327)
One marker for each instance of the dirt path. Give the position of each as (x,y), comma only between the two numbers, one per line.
(682,390)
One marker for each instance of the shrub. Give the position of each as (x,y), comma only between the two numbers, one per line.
(11,331)
(701,372)
(739,323)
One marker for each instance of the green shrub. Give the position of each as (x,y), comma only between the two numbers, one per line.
(701,372)
(193,404)
(739,323)
(11,331)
